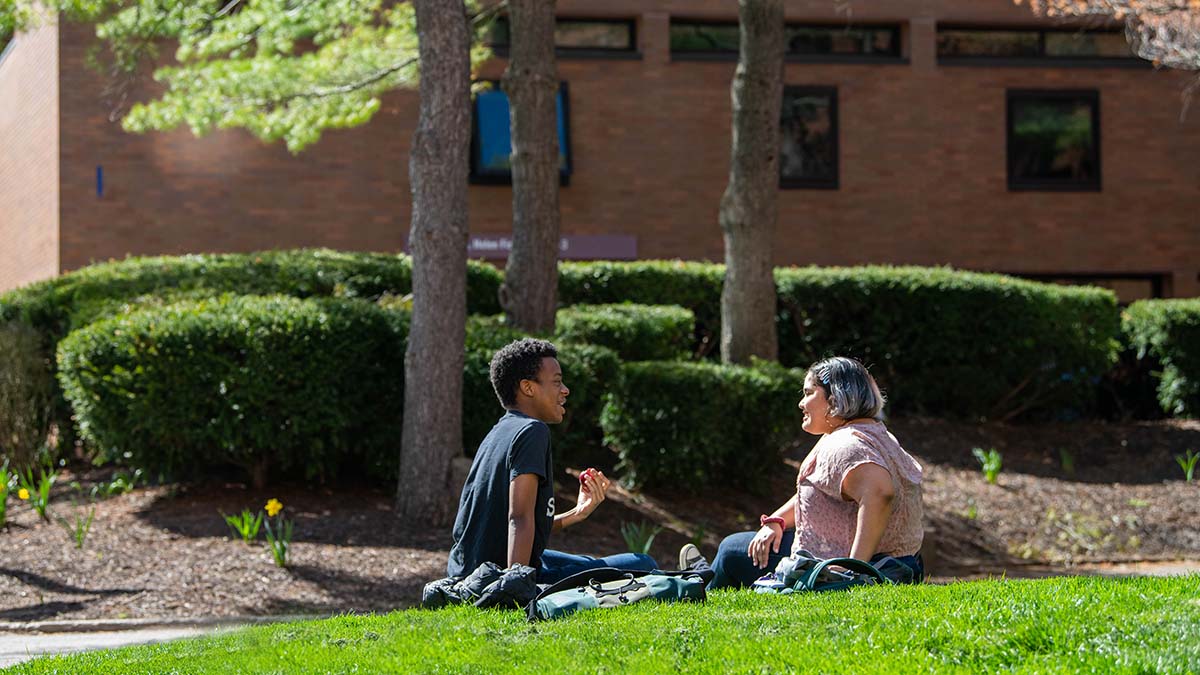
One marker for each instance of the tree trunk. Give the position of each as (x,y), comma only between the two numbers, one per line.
(433,362)
(749,207)
(530,291)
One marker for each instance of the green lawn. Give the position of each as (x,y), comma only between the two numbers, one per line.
(1065,625)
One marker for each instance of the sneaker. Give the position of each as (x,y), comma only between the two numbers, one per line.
(689,555)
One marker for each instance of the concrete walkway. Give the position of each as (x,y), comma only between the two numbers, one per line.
(24,641)
(18,647)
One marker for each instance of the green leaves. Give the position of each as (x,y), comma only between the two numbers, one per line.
(284,70)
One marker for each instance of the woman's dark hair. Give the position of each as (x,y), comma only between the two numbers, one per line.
(851,390)
(516,361)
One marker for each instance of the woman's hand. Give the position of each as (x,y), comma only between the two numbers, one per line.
(765,541)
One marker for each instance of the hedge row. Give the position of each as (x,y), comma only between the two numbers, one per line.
(302,387)
(57,306)
(263,383)
(636,332)
(954,343)
(940,341)
(692,425)
(1168,332)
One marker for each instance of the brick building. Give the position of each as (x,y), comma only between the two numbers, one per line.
(927,132)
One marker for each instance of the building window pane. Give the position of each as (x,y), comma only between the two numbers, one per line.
(614,35)
(988,43)
(491,138)
(843,40)
(704,37)
(808,138)
(1081,44)
(576,35)
(723,38)
(1054,140)
(1032,44)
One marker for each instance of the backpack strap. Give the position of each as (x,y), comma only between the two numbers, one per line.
(819,577)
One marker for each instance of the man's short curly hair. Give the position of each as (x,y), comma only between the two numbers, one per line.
(519,360)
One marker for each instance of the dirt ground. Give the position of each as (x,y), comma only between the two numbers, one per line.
(1072,498)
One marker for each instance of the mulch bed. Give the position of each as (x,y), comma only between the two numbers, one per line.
(165,552)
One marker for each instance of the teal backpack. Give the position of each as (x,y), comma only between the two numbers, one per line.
(608,587)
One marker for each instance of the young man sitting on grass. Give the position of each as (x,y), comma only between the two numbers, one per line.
(506,511)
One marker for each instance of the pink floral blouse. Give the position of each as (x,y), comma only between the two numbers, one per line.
(826,522)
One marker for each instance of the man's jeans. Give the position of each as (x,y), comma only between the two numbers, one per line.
(735,569)
(557,565)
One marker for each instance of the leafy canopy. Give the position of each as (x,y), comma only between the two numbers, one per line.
(281,69)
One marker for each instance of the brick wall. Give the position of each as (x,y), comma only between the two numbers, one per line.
(922,164)
(29,159)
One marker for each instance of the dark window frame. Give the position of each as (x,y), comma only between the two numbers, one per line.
(793,57)
(833,183)
(1012,97)
(631,52)
(495,177)
(1041,59)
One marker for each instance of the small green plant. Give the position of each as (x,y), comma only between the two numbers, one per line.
(639,536)
(245,524)
(120,484)
(972,511)
(37,492)
(1188,464)
(6,483)
(1067,460)
(279,538)
(990,461)
(77,528)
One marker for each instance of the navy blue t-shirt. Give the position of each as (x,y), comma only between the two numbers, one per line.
(518,444)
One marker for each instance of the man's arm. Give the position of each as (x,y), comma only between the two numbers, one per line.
(522,498)
(592,490)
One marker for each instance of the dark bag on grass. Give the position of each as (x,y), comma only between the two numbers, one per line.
(487,586)
(802,572)
(607,587)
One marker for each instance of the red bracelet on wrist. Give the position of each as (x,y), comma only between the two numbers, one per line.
(765,520)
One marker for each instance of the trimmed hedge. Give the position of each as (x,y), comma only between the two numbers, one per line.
(947,342)
(636,332)
(693,285)
(58,305)
(692,425)
(1168,331)
(587,371)
(304,387)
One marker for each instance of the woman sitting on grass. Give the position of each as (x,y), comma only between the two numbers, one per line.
(858,493)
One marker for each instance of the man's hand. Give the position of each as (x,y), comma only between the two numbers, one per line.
(593,485)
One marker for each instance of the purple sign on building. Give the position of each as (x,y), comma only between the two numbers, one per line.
(570,247)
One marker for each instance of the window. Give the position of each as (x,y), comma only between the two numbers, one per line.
(579,37)
(808,138)
(1053,140)
(844,41)
(965,44)
(491,139)
(700,39)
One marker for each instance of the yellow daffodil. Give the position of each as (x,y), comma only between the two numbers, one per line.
(23,493)
(274,506)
